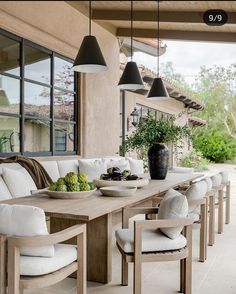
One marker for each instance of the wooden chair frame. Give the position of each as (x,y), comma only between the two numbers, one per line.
(16,283)
(184,255)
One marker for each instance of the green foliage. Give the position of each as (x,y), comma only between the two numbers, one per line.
(196,160)
(215,145)
(153,131)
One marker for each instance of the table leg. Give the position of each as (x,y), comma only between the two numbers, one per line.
(99,245)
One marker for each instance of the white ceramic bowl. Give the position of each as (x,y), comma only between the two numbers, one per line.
(69,195)
(118,191)
(134,183)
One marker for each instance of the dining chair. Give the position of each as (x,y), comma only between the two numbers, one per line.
(168,238)
(31,258)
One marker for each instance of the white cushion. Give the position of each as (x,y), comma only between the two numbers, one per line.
(10,165)
(4,192)
(36,266)
(225,177)
(136,166)
(51,168)
(194,215)
(66,166)
(122,164)
(196,191)
(21,220)
(216,180)
(19,181)
(174,205)
(152,240)
(182,170)
(209,183)
(92,168)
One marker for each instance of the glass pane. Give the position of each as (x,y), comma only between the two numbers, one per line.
(9,95)
(37,135)
(64,137)
(9,134)
(37,65)
(64,76)
(9,56)
(63,105)
(37,100)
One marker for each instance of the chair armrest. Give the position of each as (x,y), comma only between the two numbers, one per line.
(127,213)
(50,239)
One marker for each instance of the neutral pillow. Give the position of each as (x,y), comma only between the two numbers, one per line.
(136,166)
(216,180)
(122,164)
(194,192)
(4,192)
(19,182)
(174,205)
(209,183)
(225,177)
(21,220)
(92,168)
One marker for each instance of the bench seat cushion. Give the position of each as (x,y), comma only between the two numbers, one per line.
(36,266)
(153,240)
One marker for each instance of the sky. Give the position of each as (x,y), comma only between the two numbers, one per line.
(188,57)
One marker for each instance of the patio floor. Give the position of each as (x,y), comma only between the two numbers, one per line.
(215,276)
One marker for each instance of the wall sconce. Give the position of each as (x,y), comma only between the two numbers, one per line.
(133,119)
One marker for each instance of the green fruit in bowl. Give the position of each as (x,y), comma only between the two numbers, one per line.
(71,178)
(92,186)
(61,181)
(82,178)
(53,187)
(61,188)
(126,173)
(84,187)
(73,187)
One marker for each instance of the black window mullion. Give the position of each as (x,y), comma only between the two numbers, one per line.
(76,114)
(22,97)
(52,129)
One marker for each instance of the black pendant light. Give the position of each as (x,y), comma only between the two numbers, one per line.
(158,90)
(89,58)
(131,78)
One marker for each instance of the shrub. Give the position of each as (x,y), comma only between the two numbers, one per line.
(196,160)
(216,146)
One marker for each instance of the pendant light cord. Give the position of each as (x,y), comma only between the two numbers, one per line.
(90,17)
(131,27)
(158,37)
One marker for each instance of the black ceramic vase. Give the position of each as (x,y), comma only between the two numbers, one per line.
(158,161)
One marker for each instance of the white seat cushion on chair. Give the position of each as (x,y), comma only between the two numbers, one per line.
(51,168)
(4,192)
(93,168)
(224,177)
(136,166)
(152,240)
(196,191)
(36,266)
(23,221)
(19,182)
(174,205)
(66,166)
(216,180)
(195,215)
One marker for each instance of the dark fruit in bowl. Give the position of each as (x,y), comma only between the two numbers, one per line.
(116,174)
(113,170)
(132,178)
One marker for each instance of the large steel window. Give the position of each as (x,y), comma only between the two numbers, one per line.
(38,99)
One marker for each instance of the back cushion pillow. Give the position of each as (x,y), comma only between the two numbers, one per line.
(196,191)
(209,183)
(136,166)
(92,168)
(4,192)
(19,182)
(216,180)
(22,221)
(225,177)
(174,205)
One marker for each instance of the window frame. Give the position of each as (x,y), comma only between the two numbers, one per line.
(21,115)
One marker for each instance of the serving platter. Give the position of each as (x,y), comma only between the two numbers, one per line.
(118,191)
(133,183)
(69,195)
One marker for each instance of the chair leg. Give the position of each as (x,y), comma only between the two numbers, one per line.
(211,220)
(202,247)
(82,270)
(3,268)
(220,212)
(137,277)
(13,270)
(227,204)
(124,273)
(182,275)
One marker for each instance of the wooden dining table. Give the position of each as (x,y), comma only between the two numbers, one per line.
(99,213)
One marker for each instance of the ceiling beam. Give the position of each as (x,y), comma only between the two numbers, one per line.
(151,16)
(179,35)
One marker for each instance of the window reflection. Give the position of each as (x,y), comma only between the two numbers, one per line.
(9,134)
(64,76)
(64,136)
(63,105)
(9,95)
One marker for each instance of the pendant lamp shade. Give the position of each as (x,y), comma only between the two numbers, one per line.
(89,58)
(158,90)
(131,79)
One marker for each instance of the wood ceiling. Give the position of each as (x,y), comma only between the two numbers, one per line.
(179,20)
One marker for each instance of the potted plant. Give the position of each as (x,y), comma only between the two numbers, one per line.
(153,135)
